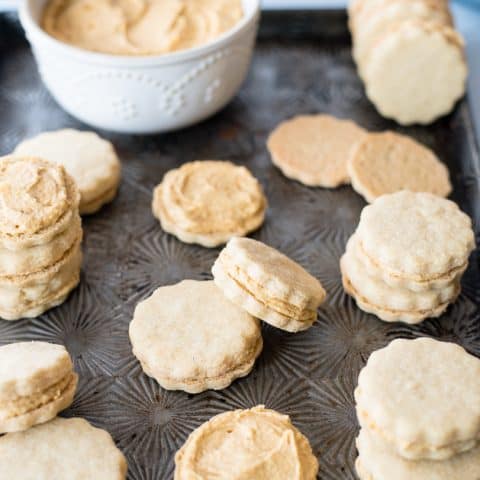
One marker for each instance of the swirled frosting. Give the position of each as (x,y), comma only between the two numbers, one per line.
(33,195)
(140,27)
(251,444)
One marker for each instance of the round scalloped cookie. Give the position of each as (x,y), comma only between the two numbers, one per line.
(389,162)
(63,448)
(373,23)
(417,91)
(377,461)
(190,337)
(89,159)
(415,236)
(314,149)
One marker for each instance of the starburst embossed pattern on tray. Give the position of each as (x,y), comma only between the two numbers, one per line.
(309,376)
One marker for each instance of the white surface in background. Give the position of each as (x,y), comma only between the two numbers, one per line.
(6,5)
(302,4)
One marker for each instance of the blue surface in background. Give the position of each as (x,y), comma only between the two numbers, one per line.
(467,20)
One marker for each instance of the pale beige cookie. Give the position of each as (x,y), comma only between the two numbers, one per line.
(36,382)
(60,449)
(388,315)
(422,397)
(438,282)
(21,294)
(314,149)
(358,9)
(38,201)
(89,159)
(209,202)
(417,236)
(422,90)
(190,337)
(258,444)
(268,285)
(389,162)
(376,292)
(378,462)
(38,257)
(374,22)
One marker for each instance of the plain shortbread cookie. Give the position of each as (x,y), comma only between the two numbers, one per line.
(416,71)
(89,159)
(389,162)
(250,444)
(61,449)
(314,149)
(190,337)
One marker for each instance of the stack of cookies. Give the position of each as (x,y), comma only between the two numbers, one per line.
(409,56)
(40,236)
(418,404)
(405,261)
(36,382)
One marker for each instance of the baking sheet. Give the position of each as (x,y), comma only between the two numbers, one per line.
(302,65)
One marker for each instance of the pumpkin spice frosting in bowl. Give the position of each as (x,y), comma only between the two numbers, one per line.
(140,27)
(142,66)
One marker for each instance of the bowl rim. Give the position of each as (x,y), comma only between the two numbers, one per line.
(37,35)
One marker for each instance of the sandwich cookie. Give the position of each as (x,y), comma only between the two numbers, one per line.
(388,303)
(190,337)
(36,382)
(40,236)
(268,285)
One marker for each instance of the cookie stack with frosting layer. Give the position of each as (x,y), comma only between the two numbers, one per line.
(40,236)
(418,404)
(36,382)
(407,257)
(410,57)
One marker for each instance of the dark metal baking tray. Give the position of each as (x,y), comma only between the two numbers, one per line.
(310,375)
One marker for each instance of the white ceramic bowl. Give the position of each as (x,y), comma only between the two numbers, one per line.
(143,94)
